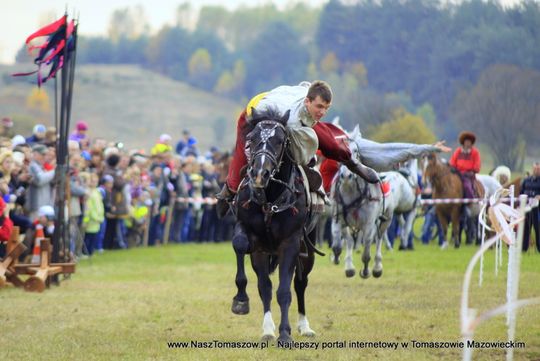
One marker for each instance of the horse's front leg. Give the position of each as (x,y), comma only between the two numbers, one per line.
(350,271)
(407,227)
(300,285)
(366,254)
(337,240)
(378,267)
(444,225)
(240,304)
(261,266)
(288,256)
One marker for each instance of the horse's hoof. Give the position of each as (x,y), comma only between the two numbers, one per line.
(444,245)
(456,245)
(268,338)
(335,256)
(402,248)
(350,273)
(285,341)
(308,333)
(240,307)
(364,274)
(377,273)
(2,281)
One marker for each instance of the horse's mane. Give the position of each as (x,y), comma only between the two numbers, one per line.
(270,113)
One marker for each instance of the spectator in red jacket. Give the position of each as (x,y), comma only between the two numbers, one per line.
(466,159)
(6,226)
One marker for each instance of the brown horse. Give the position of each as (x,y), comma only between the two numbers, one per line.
(446,183)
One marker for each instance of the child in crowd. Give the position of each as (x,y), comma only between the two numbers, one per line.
(94,215)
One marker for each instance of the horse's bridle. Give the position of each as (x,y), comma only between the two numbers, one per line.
(266,134)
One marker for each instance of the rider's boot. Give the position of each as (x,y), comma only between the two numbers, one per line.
(368,174)
(224,198)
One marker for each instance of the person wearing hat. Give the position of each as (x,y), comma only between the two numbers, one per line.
(186,145)
(466,159)
(6,130)
(79,135)
(38,134)
(39,190)
(17,140)
(162,146)
(46,217)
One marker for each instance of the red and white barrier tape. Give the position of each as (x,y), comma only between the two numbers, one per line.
(452,201)
(198,200)
(461,200)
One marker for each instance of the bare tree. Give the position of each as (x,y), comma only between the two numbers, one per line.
(504,109)
(128,22)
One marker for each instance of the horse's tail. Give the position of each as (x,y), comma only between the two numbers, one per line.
(273,263)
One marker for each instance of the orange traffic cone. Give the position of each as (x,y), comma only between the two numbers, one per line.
(36,252)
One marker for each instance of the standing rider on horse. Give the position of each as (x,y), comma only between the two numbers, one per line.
(307,103)
(466,159)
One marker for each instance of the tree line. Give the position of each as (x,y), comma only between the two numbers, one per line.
(386,59)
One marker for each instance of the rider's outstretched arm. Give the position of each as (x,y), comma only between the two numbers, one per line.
(333,145)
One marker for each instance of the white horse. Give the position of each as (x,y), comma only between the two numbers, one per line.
(357,217)
(490,183)
(502,174)
(402,200)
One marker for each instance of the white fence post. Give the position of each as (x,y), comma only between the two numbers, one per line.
(513,277)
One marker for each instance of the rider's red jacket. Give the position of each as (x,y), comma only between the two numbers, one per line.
(466,162)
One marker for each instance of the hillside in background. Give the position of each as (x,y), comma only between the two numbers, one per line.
(127,104)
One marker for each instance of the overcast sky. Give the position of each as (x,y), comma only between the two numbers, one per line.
(19,18)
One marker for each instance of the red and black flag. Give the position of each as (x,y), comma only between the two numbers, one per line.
(54,38)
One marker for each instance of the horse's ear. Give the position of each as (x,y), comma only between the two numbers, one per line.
(356,132)
(285,117)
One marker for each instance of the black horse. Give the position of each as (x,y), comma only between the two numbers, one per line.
(272,211)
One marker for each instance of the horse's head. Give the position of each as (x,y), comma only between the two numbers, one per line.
(345,175)
(267,139)
(430,164)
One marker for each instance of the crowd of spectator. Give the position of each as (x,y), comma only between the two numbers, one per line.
(116,198)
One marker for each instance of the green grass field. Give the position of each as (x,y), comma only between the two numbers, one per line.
(128,304)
